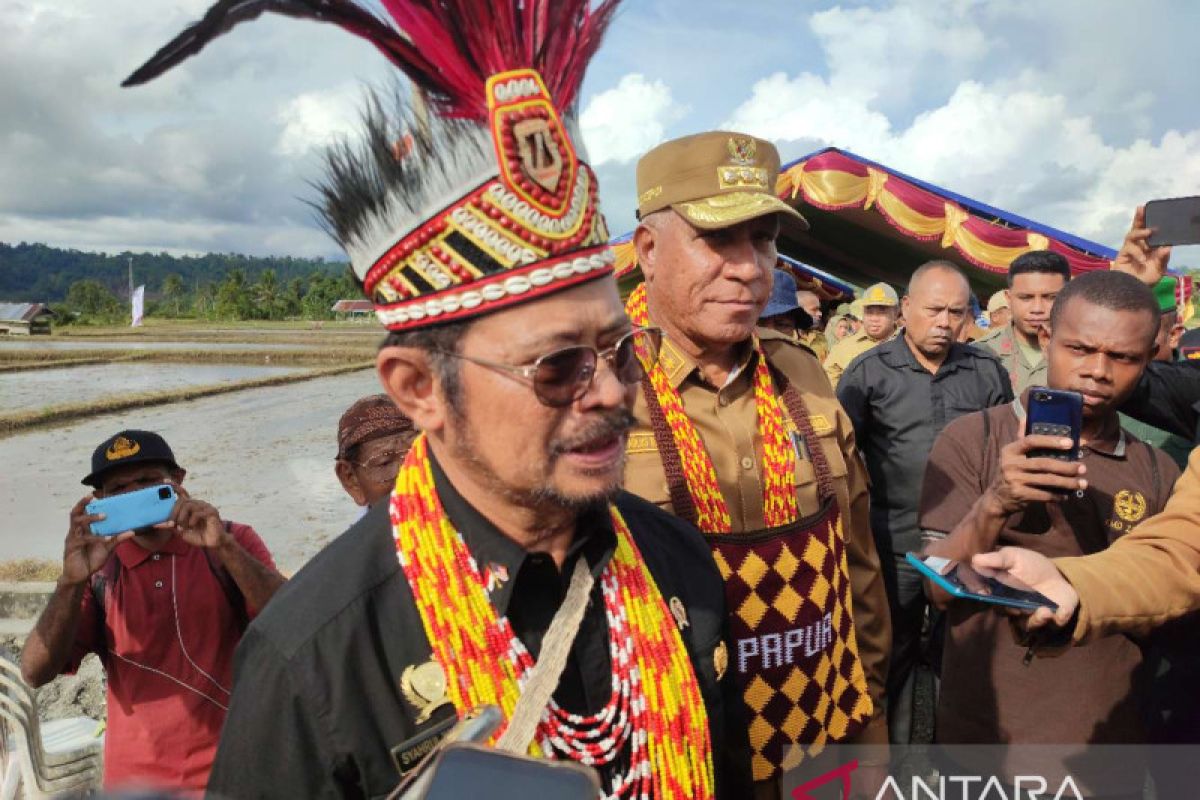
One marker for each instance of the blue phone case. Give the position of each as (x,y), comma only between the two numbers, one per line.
(1055,412)
(1026,600)
(127,512)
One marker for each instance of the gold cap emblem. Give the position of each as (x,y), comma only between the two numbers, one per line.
(122,448)
(424,687)
(741,150)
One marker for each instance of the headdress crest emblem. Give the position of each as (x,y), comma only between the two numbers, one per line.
(487,201)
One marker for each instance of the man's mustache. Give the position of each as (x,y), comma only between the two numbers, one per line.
(612,423)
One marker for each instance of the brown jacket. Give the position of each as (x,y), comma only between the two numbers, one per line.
(727,422)
(1147,577)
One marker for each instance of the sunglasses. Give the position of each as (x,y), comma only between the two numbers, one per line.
(563,376)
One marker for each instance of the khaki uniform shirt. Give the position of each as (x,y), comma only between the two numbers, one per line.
(1021,371)
(814,340)
(846,351)
(727,422)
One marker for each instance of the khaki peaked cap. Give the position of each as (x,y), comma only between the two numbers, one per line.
(714,180)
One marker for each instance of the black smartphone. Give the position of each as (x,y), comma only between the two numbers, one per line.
(1175,221)
(469,770)
(1055,412)
(959,580)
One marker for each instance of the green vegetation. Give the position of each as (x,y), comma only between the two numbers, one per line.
(92,288)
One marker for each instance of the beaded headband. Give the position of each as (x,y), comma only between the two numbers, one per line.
(484,204)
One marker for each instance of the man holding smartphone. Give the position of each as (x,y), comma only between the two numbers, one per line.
(977,496)
(163,607)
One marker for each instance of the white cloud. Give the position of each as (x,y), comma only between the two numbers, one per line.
(315,120)
(1013,142)
(620,124)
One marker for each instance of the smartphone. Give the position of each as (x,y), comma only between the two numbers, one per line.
(132,510)
(1175,221)
(959,580)
(471,770)
(1054,412)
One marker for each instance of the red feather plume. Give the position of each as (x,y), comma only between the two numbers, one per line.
(448,48)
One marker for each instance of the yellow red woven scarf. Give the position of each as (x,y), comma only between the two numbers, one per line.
(480,654)
(779,458)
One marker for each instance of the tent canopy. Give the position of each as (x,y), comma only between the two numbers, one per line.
(871,223)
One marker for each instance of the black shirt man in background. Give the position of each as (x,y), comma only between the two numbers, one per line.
(899,395)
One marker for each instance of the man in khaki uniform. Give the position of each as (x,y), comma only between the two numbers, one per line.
(702,449)
(880,305)
(813,338)
(999,314)
(1034,280)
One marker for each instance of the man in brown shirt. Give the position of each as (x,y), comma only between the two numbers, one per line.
(706,244)
(1099,338)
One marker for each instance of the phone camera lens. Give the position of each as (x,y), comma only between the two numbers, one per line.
(164,493)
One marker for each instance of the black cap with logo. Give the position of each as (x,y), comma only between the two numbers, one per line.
(129,447)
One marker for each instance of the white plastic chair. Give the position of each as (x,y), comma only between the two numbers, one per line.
(45,759)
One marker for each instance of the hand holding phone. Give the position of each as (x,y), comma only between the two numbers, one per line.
(1174,222)
(1038,467)
(132,511)
(960,581)
(83,551)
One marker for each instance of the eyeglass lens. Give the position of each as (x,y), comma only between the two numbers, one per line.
(565,375)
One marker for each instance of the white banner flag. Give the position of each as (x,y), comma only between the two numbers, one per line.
(139,298)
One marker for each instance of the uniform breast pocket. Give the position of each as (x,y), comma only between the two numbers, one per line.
(644,474)
(806,475)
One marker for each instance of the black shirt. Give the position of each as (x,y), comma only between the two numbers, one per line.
(317,704)
(1168,397)
(898,408)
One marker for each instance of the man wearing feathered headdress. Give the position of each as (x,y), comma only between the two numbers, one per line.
(507,569)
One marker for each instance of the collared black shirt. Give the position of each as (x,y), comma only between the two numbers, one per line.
(535,588)
(898,408)
(317,703)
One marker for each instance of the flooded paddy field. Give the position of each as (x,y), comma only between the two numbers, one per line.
(26,391)
(263,456)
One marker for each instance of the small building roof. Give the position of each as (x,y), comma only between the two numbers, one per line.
(22,312)
(353,306)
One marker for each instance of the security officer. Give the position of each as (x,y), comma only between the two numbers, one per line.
(880,305)
(1034,280)
(813,338)
(738,431)
(999,314)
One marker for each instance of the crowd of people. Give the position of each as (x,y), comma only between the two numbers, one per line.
(664,535)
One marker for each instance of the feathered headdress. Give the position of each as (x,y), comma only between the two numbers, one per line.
(486,202)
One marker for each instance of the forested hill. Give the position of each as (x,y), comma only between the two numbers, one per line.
(43,274)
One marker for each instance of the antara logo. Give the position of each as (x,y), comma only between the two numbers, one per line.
(948,787)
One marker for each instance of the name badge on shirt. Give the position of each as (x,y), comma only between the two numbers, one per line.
(411,752)
(800,446)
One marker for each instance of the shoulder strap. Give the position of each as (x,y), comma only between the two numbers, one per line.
(233,594)
(798,411)
(681,498)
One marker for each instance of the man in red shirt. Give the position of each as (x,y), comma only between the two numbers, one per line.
(163,607)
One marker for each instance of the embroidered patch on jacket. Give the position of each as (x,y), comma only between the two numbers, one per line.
(641,443)
(820,424)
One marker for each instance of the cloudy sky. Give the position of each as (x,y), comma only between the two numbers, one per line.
(1067,112)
